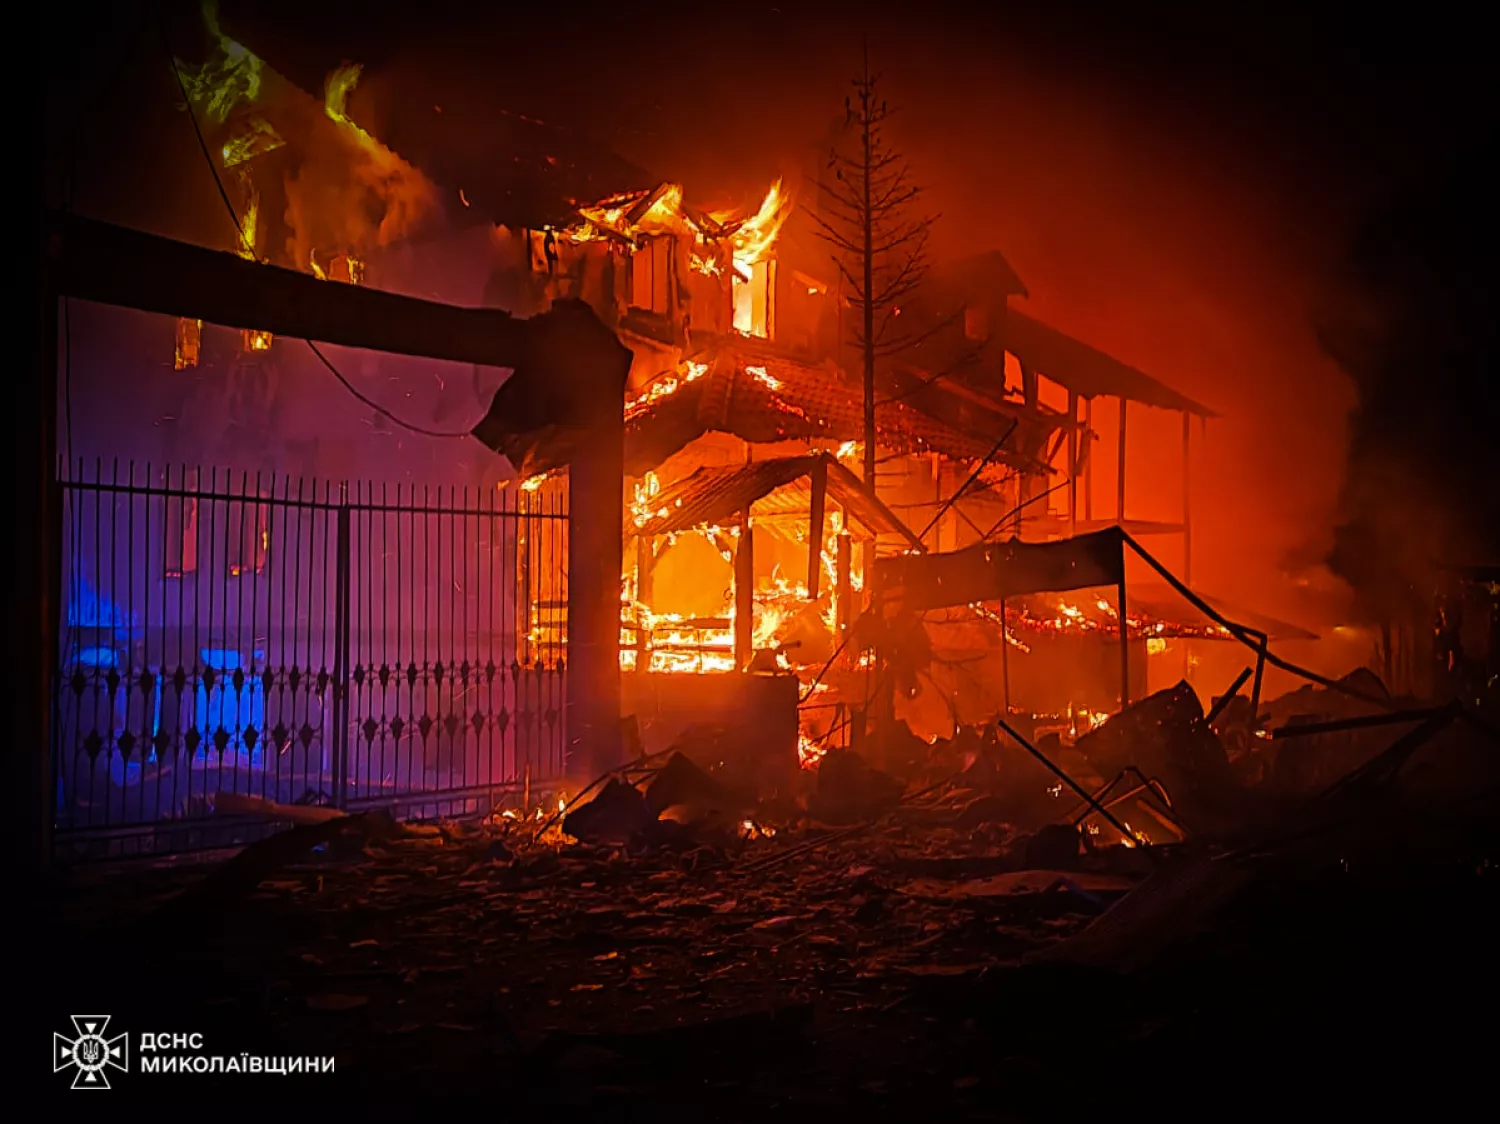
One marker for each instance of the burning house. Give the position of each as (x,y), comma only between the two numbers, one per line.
(747,541)
(987,430)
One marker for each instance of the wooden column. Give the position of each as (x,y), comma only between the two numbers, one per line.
(1124,649)
(644,572)
(744,595)
(1004,662)
(1027,487)
(1072,464)
(596,511)
(937,500)
(1187,499)
(815,526)
(1120,477)
(844,594)
(1187,527)
(1088,460)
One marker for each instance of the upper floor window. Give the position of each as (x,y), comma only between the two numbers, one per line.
(755,300)
(651,276)
(189,343)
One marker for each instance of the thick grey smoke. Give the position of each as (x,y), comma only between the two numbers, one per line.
(1413,322)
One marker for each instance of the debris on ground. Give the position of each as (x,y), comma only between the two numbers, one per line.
(894,947)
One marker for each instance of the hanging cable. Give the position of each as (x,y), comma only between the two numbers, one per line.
(240,230)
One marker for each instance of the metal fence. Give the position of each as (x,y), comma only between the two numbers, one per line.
(230,636)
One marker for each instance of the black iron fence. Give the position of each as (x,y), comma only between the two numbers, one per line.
(230,639)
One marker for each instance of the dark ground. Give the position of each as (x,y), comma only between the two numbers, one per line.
(1351,969)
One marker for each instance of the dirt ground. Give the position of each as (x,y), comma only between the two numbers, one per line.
(902,972)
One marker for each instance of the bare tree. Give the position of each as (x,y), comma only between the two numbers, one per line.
(877,234)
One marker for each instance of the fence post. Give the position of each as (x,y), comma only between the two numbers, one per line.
(341,651)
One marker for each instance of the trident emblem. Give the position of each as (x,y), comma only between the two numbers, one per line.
(89,1051)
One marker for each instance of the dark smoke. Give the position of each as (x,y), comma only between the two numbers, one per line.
(1414,326)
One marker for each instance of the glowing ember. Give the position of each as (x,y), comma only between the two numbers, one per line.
(643,507)
(1082,720)
(1061,618)
(809,752)
(189,343)
(664,386)
(762,376)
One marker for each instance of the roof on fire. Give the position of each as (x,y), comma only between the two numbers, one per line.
(763,396)
(718,495)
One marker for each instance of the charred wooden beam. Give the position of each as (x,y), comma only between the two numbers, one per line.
(815,524)
(744,596)
(844,596)
(1187,498)
(1227,697)
(1362,722)
(1120,470)
(1072,463)
(97,261)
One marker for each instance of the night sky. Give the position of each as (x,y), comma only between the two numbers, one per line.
(1179,186)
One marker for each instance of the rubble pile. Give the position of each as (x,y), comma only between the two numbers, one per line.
(931,942)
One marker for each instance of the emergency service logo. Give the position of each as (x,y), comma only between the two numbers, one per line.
(90,1052)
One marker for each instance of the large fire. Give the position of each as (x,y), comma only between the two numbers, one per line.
(673,643)
(663,386)
(720,242)
(346,193)
(230,78)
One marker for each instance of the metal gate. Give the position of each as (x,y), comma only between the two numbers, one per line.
(230,639)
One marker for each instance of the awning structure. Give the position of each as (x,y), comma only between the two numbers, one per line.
(786,488)
(1087,371)
(1031,575)
(1158,601)
(993,571)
